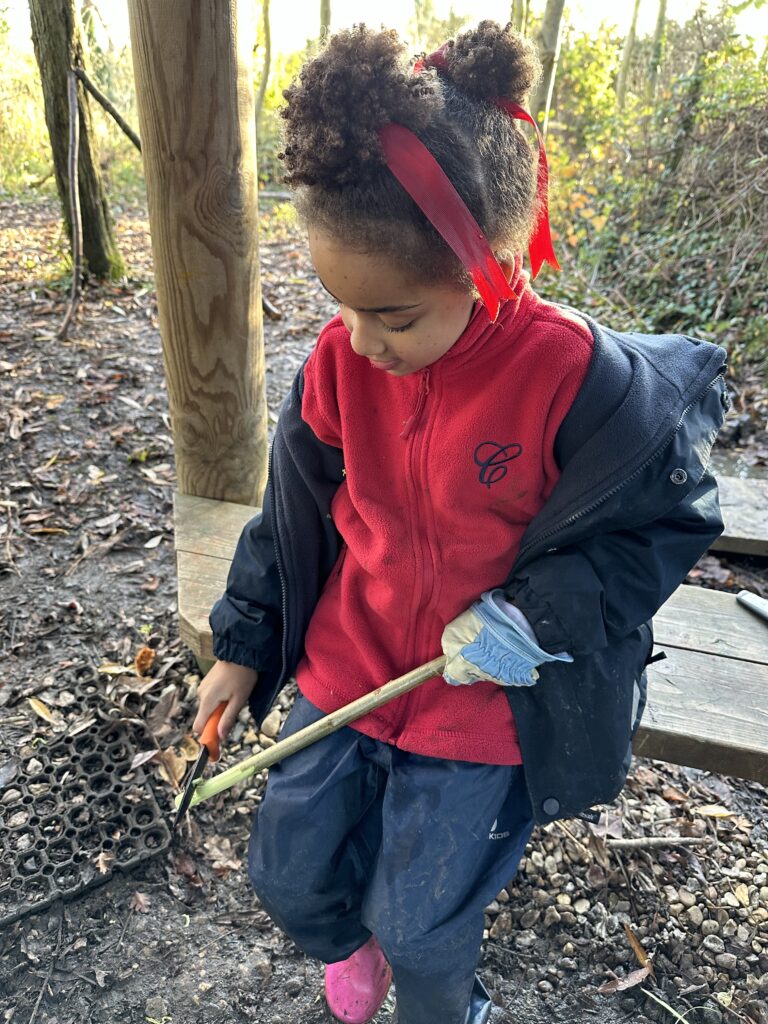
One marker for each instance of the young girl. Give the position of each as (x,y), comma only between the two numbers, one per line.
(459,465)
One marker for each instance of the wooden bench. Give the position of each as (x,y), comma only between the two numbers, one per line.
(708,701)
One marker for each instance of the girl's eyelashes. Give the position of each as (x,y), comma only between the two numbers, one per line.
(398,330)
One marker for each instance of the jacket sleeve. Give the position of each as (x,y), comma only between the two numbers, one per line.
(579,598)
(247,620)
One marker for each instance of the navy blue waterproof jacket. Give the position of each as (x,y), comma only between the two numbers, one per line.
(633,510)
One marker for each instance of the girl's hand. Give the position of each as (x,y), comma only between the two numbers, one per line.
(225,682)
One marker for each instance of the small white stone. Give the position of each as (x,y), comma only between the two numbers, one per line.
(271,724)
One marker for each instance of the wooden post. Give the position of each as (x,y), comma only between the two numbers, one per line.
(194,85)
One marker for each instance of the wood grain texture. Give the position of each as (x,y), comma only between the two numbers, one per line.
(194,84)
(744,504)
(209,527)
(707,712)
(202,580)
(712,622)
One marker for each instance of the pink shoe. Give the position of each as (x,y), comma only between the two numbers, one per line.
(356,987)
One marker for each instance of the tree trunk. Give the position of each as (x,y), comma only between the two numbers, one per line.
(325,18)
(548,43)
(517,15)
(267,59)
(58,47)
(626,58)
(194,86)
(657,52)
(687,121)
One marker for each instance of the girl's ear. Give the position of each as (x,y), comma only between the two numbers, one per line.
(507,267)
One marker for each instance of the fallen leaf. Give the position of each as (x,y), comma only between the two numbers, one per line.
(190,748)
(172,766)
(167,707)
(741,892)
(621,984)
(145,659)
(41,709)
(106,521)
(714,811)
(153,542)
(9,770)
(670,793)
(143,757)
(111,668)
(222,856)
(185,866)
(637,948)
(645,776)
(609,825)
(103,861)
(598,849)
(140,902)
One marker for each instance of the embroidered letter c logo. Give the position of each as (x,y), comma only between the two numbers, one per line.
(492,458)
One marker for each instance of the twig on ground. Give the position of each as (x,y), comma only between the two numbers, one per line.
(575,839)
(271,310)
(49,972)
(667,1007)
(650,842)
(128,920)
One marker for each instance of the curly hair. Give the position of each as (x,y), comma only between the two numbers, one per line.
(361,81)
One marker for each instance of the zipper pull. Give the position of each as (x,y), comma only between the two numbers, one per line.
(421,401)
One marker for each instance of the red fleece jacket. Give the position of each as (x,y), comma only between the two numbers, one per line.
(444,469)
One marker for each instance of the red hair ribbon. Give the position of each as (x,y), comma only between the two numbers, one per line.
(540,249)
(427,184)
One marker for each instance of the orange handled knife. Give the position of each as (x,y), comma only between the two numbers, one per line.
(209,751)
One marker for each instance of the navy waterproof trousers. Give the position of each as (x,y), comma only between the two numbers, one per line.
(355,837)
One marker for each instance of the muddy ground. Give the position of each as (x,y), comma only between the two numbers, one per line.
(89,640)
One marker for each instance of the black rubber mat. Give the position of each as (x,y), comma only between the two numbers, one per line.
(74,811)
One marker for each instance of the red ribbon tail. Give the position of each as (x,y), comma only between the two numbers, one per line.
(540,249)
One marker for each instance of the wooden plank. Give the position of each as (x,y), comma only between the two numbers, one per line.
(212,527)
(744,504)
(707,712)
(711,622)
(202,580)
(208,527)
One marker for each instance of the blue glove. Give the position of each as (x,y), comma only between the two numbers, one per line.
(493,640)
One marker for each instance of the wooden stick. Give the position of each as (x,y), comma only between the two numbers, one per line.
(652,841)
(324,727)
(110,109)
(74,204)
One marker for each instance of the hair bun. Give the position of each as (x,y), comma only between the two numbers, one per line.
(490,61)
(359,82)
